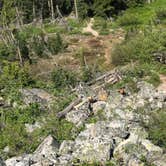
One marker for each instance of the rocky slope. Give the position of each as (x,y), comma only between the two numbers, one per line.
(116,136)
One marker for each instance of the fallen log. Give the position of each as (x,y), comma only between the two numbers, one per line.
(63,113)
(80,104)
(103,77)
(113,79)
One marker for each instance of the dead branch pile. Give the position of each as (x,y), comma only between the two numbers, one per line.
(110,77)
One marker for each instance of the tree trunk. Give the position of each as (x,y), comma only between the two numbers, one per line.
(19,18)
(34,12)
(76,9)
(18,49)
(52,11)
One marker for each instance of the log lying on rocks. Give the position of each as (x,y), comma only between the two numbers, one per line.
(109,77)
(100,82)
(113,78)
(63,113)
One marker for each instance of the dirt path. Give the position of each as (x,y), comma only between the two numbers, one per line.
(109,42)
(162,86)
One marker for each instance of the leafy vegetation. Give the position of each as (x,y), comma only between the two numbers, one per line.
(156,128)
(63,78)
(140,47)
(33,37)
(129,20)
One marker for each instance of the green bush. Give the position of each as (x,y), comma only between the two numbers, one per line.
(134,3)
(87,74)
(63,78)
(161,15)
(157,128)
(7,53)
(129,20)
(12,128)
(139,47)
(62,131)
(56,44)
(38,45)
(14,76)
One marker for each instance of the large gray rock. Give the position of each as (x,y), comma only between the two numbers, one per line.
(48,149)
(129,151)
(96,143)
(134,148)
(78,117)
(154,152)
(66,147)
(146,90)
(45,154)
(35,95)
(24,160)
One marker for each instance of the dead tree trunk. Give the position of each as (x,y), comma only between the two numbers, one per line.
(34,12)
(68,108)
(76,9)
(52,11)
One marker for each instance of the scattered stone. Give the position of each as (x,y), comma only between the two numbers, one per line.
(35,95)
(31,127)
(98,106)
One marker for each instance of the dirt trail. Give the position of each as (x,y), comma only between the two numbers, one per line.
(109,42)
(162,86)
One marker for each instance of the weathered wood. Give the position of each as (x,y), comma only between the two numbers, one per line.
(80,104)
(69,108)
(101,77)
(110,80)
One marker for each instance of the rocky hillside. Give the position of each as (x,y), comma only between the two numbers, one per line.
(83,83)
(113,131)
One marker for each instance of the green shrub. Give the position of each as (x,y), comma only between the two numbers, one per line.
(134,3)
(87,74)
(139,47)
(63,78)
(13,134)
(38,45)
(62,131)
(7,53)
(54,28)
(56,44)
(14,76)
(29,31)
(157,128)
(102,26)
(75,26)
(129,20)
(161,15)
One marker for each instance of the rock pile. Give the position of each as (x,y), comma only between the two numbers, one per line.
(118,138)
